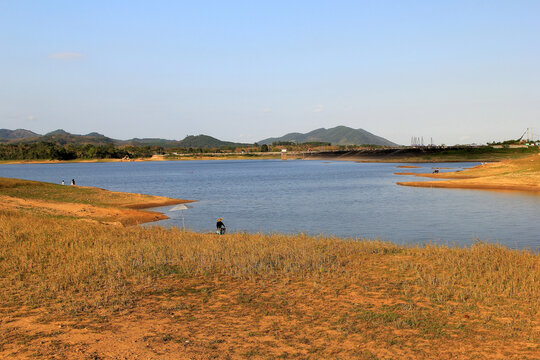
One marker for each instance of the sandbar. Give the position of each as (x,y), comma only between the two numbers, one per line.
(516,175)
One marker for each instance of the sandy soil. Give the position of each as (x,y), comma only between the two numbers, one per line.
(106,215)
(126,211)
(233,319)
(521,175)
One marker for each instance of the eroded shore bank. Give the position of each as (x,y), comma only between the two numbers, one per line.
(513,175)
(87,203)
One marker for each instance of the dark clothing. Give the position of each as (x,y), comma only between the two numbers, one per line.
(220,227)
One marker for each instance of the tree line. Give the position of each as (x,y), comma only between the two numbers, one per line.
(54,151)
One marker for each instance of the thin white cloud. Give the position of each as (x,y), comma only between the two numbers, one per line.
(267,111)
(66,56)
(30,118)
(318,109)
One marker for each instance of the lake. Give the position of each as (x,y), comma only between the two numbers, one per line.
(337,198)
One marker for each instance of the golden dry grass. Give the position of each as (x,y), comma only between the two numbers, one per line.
(289,296)
(517,174)
(36,190)
(73,289)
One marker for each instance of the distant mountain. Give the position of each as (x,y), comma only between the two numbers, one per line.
(63,137)
(339,135)
(59,132)
(16,134)
(205,141)
(190,141)
(95,134)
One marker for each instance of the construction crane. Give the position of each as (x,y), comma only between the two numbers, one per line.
(518,140)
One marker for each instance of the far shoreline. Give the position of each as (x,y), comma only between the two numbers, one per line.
(290,156)
(397,155)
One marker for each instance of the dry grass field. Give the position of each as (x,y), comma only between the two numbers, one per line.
(74,289)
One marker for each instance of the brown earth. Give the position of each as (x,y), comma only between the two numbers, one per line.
(521,175)
(106,215)
(227,318)
(86,203)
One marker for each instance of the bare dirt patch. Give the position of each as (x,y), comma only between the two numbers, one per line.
(227,318)
(113,216)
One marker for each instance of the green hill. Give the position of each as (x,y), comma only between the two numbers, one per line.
(7,135)
(339,135)
(205,141)
(63,137)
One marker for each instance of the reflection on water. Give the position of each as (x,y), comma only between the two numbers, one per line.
(345,199)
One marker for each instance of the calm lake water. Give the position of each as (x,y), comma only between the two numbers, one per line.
(341,198)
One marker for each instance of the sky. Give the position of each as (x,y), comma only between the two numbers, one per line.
(455,71)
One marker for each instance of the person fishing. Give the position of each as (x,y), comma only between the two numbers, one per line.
(220,226)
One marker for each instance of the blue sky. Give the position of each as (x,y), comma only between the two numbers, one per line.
(457,71)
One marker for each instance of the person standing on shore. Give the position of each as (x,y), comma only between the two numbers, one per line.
(220,226)
(63,182)
(72,181)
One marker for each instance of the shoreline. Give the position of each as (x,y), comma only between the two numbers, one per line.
(157,158)
(510,175)
(82,202)
(457,185)
(391,155)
